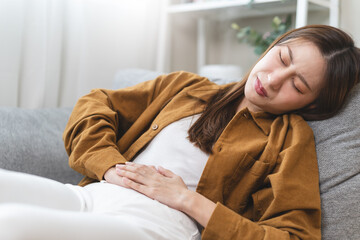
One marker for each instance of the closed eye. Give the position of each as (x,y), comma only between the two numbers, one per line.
(281,59)
(297,89)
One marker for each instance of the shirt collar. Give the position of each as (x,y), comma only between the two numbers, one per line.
(263,120)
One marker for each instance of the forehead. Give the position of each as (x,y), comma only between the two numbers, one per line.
(307,61)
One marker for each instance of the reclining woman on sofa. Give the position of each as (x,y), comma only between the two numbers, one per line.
(180,155)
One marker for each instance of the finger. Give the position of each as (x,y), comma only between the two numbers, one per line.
(136,186)
(166,172)
(127,168)
(153,167)
(139,168)
(123,166)
(120,182)
(130,175)
(137,165)
(112,177)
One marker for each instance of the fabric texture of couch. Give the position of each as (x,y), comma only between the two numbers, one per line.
(31,141)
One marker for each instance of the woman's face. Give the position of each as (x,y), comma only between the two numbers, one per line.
(287,78)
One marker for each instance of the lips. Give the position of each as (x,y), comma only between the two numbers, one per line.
(259,88)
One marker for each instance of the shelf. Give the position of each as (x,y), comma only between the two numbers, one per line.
(223,10)
(230,10)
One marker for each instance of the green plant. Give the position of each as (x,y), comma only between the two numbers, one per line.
(261,41)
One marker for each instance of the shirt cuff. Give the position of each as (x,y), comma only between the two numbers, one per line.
(227,224)
(100,162)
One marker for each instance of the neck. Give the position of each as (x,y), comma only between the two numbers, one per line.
(245,103)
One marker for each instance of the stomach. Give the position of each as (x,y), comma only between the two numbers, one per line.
(126,203)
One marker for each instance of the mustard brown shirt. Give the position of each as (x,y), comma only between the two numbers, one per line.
(262,174)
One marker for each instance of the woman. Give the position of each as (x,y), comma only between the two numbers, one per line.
(248,170)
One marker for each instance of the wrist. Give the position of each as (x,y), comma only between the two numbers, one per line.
(110,175)
(188,201)
(197,206)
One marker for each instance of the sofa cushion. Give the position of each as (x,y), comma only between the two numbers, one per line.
(132,76)
(338,150)
(31,142)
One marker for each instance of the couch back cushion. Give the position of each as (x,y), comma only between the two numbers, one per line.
(338,150)
(31,142)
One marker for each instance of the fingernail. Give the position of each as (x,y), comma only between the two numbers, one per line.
(129,163)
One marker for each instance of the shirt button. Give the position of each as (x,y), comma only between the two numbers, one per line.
(154,127)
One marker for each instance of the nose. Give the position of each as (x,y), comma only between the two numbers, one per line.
(276,79)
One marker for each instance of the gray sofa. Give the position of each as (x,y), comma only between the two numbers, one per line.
(30,141)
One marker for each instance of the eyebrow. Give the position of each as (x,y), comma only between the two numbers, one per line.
(299,75)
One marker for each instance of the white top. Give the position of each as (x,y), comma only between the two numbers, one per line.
(172,150)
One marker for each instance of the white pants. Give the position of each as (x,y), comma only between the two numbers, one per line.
(36,208)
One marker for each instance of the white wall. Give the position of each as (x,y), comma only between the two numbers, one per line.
(350,18)
(223,46)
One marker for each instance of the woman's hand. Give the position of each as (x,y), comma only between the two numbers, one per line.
(159,184)
(112,177)
(168,188)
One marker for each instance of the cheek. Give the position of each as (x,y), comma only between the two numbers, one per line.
(248,84)
(287,99)
(298,102)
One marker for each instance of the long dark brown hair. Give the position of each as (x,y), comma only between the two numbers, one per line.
(341,74)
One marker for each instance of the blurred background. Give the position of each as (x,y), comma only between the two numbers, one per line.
(54,51)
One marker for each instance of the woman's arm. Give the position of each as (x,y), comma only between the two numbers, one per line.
(198,207)
(287,204)
(100,119)
(96,123)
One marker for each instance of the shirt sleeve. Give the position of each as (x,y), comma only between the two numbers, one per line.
(289,205)
(100,119)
